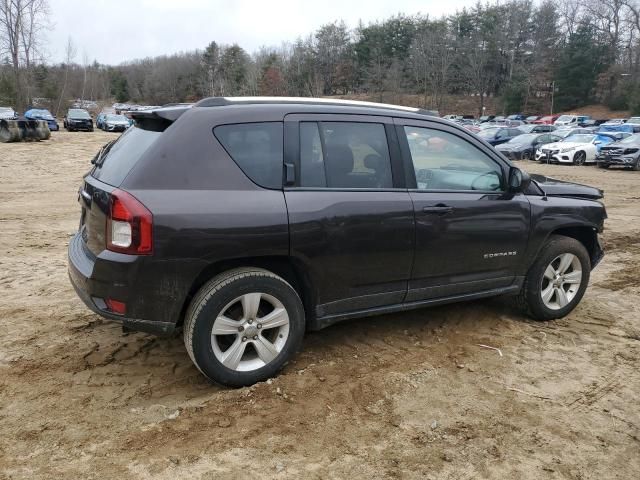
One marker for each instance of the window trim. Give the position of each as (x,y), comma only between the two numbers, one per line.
(412,184)
(292,148)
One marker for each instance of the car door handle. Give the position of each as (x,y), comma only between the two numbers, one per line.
(438,209)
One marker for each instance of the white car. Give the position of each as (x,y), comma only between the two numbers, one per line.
(634,121)
(7,113)
(570,120)
(576,149)
(614,121)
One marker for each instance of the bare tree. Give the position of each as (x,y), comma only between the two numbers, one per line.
(21,24)
(70,54)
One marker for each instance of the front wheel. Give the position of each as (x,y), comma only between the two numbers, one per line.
(243,326)
(557,280)
(579,158)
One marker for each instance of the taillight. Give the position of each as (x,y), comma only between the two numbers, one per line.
(129,225)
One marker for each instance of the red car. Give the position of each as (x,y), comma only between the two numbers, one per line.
(547,120)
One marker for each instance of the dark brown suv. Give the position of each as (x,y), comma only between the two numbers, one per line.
(247,221)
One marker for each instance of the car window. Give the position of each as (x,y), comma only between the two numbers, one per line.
(256,148)
(344,155)
(443,161)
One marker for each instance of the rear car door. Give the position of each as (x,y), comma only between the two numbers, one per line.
(470,233)
(350,216)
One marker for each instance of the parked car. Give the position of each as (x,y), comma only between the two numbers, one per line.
(571,120)
(534,128)
(42,114)
(566,131)
(486,118)
(8,113)
(78,119)
(497,135)
(114,123)
(518,117)
(590,123)
(613,121)
(634,121)
(523,147)
(623,153)
(547,120)
(248,221)
(577,149)
(531,118)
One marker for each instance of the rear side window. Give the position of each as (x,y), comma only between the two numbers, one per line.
(257,150)
(344,155)
(118,159)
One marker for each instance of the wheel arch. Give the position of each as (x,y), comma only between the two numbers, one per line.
(286,267)
(586,235)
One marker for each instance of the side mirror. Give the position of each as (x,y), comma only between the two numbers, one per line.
(519,180)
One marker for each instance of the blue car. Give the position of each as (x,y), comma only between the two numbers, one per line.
(42,114)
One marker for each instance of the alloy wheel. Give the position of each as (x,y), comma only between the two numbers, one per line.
(561,281)
(250,331)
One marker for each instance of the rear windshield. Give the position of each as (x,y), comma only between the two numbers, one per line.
(117,162)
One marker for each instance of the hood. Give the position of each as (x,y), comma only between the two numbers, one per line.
(562,145)
(557,188)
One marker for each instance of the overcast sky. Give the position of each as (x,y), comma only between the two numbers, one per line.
(118,30)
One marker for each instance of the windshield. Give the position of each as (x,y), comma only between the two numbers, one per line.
(565,118)
(488,132)
(116,118)
(43,114)
(580,138)
(79,114)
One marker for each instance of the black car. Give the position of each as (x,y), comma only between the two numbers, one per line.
(78,119)
(247,222)
(497,135)
(523,147)
(623,153)
(486,118)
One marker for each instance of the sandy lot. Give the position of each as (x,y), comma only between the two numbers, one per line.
(401,396)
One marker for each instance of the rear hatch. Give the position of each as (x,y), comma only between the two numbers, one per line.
(110,167)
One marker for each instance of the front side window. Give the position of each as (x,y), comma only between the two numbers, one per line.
(344,155)
(443,161)
(257,148)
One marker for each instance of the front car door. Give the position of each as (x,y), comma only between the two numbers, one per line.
(350,216)
(471,234)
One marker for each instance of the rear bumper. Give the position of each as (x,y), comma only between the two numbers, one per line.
(115,276)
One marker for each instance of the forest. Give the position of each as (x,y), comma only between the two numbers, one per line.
(522,54)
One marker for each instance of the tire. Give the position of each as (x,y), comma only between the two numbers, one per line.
(579,158)
(536,284)
(526,155)
(226,294)
(636,166)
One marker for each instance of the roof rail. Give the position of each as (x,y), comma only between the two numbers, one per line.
(226,101)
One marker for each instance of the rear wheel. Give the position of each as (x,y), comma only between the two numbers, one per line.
(579,158)
(557,280)
(243,326)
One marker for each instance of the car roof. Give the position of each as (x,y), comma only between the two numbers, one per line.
(254,107)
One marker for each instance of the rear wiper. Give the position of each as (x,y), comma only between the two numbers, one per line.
(99,158)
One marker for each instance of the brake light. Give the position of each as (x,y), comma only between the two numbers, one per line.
(129,225)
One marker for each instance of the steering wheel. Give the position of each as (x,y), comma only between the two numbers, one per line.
(486,174)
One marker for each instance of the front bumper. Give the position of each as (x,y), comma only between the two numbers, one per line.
(556,157)
(619,160)
(116,276)
(116,128)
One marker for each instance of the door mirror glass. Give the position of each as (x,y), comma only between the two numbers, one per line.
(519,180)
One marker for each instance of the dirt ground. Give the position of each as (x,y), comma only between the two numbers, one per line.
(410,395)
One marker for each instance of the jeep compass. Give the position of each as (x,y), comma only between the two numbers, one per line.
(246,221)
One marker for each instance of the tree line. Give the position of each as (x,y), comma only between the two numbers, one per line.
(527,56)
